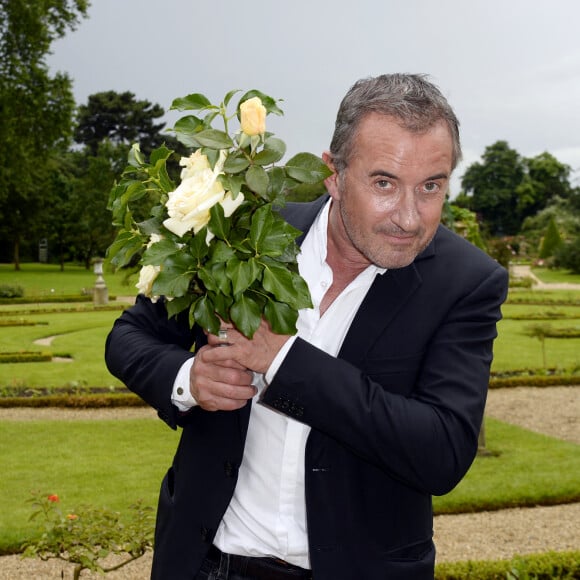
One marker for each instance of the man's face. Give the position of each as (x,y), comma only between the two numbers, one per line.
(387,202)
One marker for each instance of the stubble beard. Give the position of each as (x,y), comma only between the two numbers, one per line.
(370,246)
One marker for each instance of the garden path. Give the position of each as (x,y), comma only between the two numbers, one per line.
(525,271)
(482,536)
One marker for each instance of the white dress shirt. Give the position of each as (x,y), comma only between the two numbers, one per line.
(267,514)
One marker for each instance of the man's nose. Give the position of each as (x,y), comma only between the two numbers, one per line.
(405,214)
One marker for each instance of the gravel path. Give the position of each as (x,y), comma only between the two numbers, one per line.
(502,534)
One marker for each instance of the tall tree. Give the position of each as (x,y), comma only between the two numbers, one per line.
(121,119)
(492,184)
(545,178)
(107,126)
(35,108)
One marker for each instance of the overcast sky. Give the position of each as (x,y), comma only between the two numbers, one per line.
(510,68)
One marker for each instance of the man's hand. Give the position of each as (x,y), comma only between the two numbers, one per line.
(219,383)
(255,354)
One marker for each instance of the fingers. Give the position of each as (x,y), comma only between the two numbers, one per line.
(218,382)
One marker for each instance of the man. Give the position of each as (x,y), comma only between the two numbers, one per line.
(316,456)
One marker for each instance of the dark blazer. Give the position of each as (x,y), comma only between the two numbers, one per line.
(395,417)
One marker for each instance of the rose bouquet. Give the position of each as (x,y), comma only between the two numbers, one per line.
(215,245)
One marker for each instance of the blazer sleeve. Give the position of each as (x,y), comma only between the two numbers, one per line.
(424,433)
(145,350)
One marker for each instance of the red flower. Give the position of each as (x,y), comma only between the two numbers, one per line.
(72,517)
(53,498)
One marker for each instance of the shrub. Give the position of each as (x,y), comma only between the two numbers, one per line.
(551,240)
(85,537)
(11,291)
(562,565)
(568,256)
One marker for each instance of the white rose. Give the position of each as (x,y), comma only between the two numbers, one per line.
(200,189)
(147,276)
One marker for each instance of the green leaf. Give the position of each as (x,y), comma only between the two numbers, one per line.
(257,180)
(277,181)
(186,129)
(218,224)
(229,96)
(135,158)
(214,139)
(204,314)
(246,314)
(274,149)
(159,252)
(307,168)
(125,246)
(262,221)
(278,281)
(236,163)
(174,278)
(221,252)
(232,183)
(286,286)
(281,317)
(222,305)
(242,273)
(198,249)
(193,102)
(178,305)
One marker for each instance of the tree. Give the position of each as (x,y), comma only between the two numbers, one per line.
(120,119)
(108,125)
(505,188)
(35,109)
(545,178)
(491,185)
(551,241)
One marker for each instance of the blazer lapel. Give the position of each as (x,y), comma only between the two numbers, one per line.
(386,296)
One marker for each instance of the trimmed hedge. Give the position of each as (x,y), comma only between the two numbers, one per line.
(11,291)
(83,308)
(547,566)
(75,401)
(25,357)
(50,299)
(534,381)
(543,301)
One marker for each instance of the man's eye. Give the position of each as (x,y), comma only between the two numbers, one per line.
(431,187)
(383,183)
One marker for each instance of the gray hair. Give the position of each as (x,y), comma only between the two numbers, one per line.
(411,99)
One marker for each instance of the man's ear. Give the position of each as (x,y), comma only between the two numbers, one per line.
(331,182)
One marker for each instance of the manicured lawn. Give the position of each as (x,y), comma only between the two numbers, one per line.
(556,276)
(47,280)
(80,335)
(514,349)
(525,468)
(102,463)
(114,463)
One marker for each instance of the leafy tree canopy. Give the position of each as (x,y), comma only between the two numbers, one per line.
(121,119)
(506,188)
(35,108)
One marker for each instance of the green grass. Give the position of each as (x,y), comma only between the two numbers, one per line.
(102,463)
(82,336)
(525,468)
(513,349)
(556,276)
(47,280)
(114,463)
